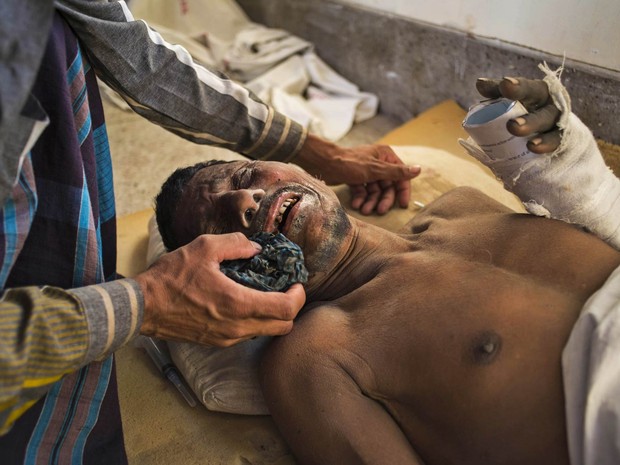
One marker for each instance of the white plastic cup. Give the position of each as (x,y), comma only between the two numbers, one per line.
(486,122)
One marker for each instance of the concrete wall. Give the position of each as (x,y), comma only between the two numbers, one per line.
(412,65)
(585,31)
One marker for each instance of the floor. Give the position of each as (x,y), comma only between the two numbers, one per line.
(144,154)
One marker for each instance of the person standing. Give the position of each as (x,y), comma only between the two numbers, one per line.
(64,310)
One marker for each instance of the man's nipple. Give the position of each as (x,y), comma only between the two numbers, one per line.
(485,347)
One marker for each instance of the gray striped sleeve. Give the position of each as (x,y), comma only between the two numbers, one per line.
(161,82)
(113,313)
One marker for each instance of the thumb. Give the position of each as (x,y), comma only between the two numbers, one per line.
(233,246)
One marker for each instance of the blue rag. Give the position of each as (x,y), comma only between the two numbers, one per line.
(276,268)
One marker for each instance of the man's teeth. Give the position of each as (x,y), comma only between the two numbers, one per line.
(283,209)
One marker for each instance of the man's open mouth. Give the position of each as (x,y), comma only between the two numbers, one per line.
(283,213)
(282,209)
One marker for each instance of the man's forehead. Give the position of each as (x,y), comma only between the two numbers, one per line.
(217,173)
(218,177)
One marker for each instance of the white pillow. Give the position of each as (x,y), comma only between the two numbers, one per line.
(223,379)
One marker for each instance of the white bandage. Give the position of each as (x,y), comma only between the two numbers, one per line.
(572,184)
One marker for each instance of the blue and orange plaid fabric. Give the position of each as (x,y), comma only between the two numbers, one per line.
(59,229)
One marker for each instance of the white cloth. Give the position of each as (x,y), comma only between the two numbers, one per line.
(223,379)
(256,48)
(591,370)
(222,19)
(282,69)
(307,90)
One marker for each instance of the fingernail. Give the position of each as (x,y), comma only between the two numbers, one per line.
(483,79)
(415,169)
(512,80)
(520,121)
(536,141)
(256,245)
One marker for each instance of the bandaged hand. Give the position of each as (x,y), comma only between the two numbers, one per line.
(569,181)
(377,177)
(539,125)
(187,297)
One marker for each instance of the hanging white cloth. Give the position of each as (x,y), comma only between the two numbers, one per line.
(282,69)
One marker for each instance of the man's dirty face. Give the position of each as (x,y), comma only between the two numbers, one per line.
(249,197)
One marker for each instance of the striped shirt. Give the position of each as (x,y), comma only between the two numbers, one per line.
(57,232)
(63,306)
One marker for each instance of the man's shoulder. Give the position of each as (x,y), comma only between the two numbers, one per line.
(458,203)
(465,201)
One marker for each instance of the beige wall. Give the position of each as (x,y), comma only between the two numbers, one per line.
(584,30)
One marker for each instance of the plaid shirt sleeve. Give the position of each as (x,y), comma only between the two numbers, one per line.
(48,332)
(161,82)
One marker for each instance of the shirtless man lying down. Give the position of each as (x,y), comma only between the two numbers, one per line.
(439,345)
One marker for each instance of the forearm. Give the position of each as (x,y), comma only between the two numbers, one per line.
(574,185)
(48,332)
(162,83)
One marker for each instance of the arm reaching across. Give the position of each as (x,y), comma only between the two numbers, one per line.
(572,183)
(213,109)
(49,332)
(377,177)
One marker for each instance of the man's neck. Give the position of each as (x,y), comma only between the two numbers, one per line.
(363,253)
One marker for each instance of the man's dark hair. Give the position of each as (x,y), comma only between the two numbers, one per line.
(167,201)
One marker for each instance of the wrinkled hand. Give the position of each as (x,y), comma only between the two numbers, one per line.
(188,298)
(377,177)
(540,123)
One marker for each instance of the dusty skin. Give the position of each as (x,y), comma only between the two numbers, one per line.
(439,345)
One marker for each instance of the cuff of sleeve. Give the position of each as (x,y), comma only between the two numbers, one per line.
(113,313)
(280,141)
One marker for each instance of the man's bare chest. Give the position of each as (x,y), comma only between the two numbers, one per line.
(549,252)
(476,293)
